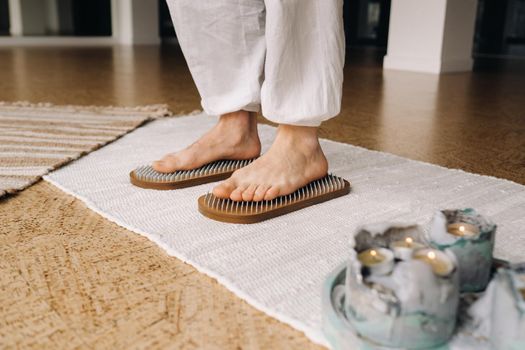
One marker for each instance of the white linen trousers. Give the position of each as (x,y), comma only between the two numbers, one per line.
(285,57)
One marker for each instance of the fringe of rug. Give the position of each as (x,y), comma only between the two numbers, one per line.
(156,110)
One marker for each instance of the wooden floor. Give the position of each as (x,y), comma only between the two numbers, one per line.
(69,278)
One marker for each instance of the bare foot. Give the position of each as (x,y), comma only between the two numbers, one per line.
(234,137)
(294,160)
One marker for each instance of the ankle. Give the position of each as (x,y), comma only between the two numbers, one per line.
(305,137)
(237,118)
(241,122)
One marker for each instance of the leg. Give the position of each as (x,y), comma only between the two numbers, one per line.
(302,88)
(223,43)
(304,61)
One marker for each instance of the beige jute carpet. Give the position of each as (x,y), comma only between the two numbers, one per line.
(70,279)
(37,138)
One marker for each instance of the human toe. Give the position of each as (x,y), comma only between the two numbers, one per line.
(271,193)
(248,193)
(260,192)
(224,189)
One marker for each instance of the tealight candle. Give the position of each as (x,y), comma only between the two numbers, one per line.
(379,261)
(462,229)
(441,264)
(470,237)
(403,249)
(522,289)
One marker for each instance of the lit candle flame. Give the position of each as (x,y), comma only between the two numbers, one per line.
(409,240)
(462,228)
(373,253)
(431,255)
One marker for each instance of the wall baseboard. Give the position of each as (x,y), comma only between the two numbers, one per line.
(57,41)
(427,65)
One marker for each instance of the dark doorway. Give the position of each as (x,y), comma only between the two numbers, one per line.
(92,18)
(500,28)
(166,29)
(366,22)
(4,17)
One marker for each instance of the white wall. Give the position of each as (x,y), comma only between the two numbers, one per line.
(34,17)
(52,22)
(133,22)
(432,36)
(459,30)
(15,18)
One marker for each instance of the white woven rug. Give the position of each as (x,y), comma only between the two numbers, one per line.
(279,265)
